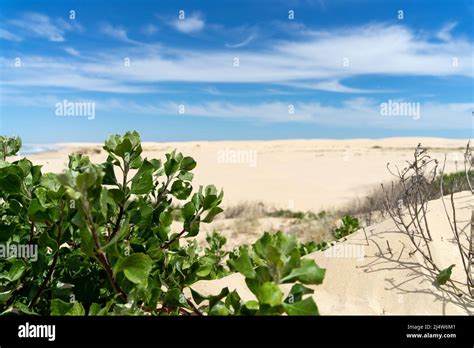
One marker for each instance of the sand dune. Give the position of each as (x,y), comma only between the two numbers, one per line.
(294,174)
(322,174)
(363,277)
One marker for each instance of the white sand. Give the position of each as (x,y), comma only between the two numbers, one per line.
(380,282)
(294,174)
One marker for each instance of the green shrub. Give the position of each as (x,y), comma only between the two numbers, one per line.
(289,214)
(309,247)
(105,245)
(453,182)
(272,260)
(349,225)
(212,265)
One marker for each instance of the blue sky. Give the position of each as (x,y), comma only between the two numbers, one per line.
(332,66)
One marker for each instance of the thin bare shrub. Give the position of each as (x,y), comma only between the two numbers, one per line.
(252,210)
(409,213)
(463,241)
(419,180)
(468,160)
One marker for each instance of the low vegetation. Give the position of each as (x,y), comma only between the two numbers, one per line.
(105,244)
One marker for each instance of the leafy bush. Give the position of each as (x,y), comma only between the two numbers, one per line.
(275,259)
(289,214)
(212,265)
(309,247)
(453,182)
(105,245)
(349,225)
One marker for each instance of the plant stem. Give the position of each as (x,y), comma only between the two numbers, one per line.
(122,206)
(171,241)
(180,234)
(32,231)
(102,257)
(53,264)
(164,191)
(12,297)
(45,280)
(195,309)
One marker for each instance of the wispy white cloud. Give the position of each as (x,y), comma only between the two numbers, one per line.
(6,35)
(313,61)
(388,50)
(242,43)
(149,29)
(445,32)
(39,25)
(72,51)
(330,86)
(353,113)
(116,32)
(189,24)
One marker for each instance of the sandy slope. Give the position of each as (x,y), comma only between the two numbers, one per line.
(319,174)
(294,174)
(366,278)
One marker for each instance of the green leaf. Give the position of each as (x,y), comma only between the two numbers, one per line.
(445,275)
(23,308)
(174,297)
(136,268)
(16,270)
(5,295)
(9,146)
(243,264)
(296,293)
(79,162)
(186,176)
(10,183)
(94,309)
(193,229)
(204,270)
(181,189)
(197,297)
(87,243)
(142,182)
(187,164)
(219,309)
(50,181)
(166,218)
(304,307)
(103,202)
(137,162)
(270,294)
(212,213)
(37,212)
(124,148)
(210,201)
(92,176)
(233,299)
(252,305)
(59,307)
(188,210)
(307,273)
(109,174)
(46,240)
(171,166)
(216,298)
(25,166)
